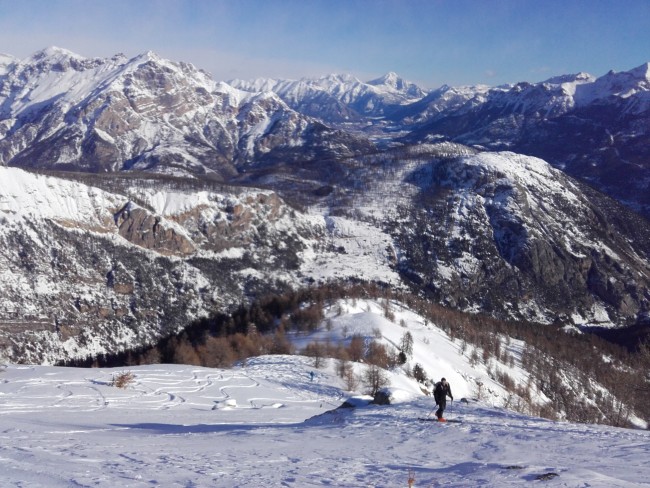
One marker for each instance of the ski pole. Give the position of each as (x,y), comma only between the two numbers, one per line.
(434,407)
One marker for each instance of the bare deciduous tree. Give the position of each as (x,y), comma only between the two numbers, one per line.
(375,379)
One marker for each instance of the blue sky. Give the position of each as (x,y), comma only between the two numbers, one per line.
(430,42)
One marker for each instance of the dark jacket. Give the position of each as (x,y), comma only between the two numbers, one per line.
(441,392)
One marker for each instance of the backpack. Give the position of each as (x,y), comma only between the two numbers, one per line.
(439,392)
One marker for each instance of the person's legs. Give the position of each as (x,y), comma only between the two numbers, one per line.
(441,409)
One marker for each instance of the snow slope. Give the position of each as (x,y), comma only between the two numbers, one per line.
(25,194)
(267,423)
(68,427)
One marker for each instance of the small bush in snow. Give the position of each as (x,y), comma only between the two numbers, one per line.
(411,478)
(316,351)
(123,379)
(388,312)
(479,391)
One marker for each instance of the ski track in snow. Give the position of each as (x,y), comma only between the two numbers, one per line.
(267,424)
(70,428)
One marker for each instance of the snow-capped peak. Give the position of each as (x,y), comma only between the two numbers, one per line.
(6,61)
(641,72)
(580,77)
(339,78)
(155,59)
(148,56)
(623,84)
(391,78)
(392,82)
(54,54)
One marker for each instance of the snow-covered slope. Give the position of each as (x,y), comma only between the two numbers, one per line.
(432,349)
(23,194)
(86,271)
(268,423)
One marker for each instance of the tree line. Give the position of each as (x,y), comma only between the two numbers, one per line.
(551,355)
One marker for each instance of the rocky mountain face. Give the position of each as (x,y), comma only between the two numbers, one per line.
(153,229)
(86,271)
(501,233)
(595,129)
(507,234)
(58,110)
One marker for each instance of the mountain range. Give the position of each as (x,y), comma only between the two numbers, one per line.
(165,195)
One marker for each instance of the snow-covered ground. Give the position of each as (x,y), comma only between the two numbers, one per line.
(68,428)
(267,423)
(363,252)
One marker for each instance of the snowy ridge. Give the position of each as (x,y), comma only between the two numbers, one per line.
(552,97)
(24,194)
(145,113)
(370,98)
(56,73)
(534,174)
(623,85)
(441,101)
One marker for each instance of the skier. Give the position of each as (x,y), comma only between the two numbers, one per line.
(440,394)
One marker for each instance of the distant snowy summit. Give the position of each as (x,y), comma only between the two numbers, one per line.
(5,62)
(338,98)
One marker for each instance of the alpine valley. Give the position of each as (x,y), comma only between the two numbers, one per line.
(139,196)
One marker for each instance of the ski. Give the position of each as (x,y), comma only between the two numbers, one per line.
(448,421)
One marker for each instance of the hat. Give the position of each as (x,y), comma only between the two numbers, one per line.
(443,379)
